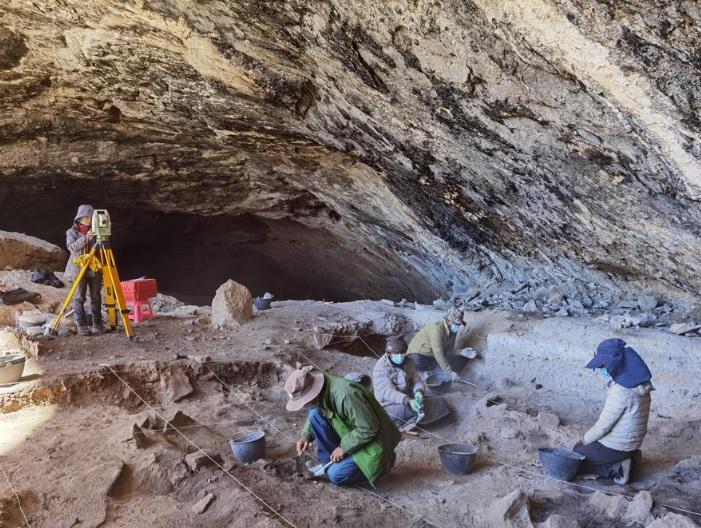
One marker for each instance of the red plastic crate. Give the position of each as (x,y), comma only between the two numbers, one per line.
(139,289)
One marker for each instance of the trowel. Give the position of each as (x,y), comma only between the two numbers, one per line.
(319,470)
(410,425)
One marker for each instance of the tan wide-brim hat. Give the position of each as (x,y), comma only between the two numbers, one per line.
(302,386)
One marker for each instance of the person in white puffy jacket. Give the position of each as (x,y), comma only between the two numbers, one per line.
(615,439)
(400,390)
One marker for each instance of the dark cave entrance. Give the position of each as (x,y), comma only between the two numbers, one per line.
(192,255)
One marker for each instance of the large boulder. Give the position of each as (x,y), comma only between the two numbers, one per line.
(232,305)
(18,250)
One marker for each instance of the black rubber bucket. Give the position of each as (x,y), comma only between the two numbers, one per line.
(439,383)
(560,463)
(457,458)
(262,304)
(248,447)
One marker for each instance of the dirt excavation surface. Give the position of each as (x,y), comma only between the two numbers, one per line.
(103,431)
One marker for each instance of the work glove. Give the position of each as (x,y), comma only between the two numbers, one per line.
(417,404)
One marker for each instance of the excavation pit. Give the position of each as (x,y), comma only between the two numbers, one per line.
(106,453)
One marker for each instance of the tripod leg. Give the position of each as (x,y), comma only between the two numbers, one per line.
(112,277)
(109,294)
(71,293)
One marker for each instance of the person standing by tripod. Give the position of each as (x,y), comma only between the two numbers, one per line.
(79,241)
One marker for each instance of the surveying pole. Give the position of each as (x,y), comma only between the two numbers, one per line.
(100,258)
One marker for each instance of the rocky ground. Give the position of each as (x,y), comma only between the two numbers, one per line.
(84,440)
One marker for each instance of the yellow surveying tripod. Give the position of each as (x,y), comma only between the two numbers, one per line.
(100,258)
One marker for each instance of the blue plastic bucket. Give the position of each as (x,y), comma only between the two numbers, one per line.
(560,463)
(457,458)
(248,447)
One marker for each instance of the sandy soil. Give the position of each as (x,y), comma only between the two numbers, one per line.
(69,446)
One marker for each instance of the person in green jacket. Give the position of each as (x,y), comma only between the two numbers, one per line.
(434,345)
(350,427)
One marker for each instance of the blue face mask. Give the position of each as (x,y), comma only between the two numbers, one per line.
(605,374)
(397,359)
(454,328)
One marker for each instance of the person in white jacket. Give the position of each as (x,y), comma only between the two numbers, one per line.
(615,439)
(400,390)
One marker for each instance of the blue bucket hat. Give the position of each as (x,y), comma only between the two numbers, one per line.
(623,363)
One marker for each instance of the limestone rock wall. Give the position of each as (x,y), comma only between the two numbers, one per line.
(524,140)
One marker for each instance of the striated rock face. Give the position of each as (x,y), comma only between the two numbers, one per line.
(18,250)
(441,143)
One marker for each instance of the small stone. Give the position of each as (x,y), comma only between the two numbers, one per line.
(511,511)
(562,312)
(683,328)
(509,433)
(176,385)
(555,296)
(152,422)
(647,302)
(200,359)
(530,307)
(647,319)
(619,322)
(613,506)
(140,439)
(180,419)
(10,342)
(541,294)
(575,305)
(200,459)
(201,505)
(548,419)
(640,509)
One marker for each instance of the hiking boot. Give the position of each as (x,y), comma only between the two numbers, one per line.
(623,475)
(83,330)
(98,328)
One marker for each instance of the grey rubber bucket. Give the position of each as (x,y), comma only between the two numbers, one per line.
(248,447)
(457,459)
(439,383)
(11,368)
(262,304)
(560,463)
